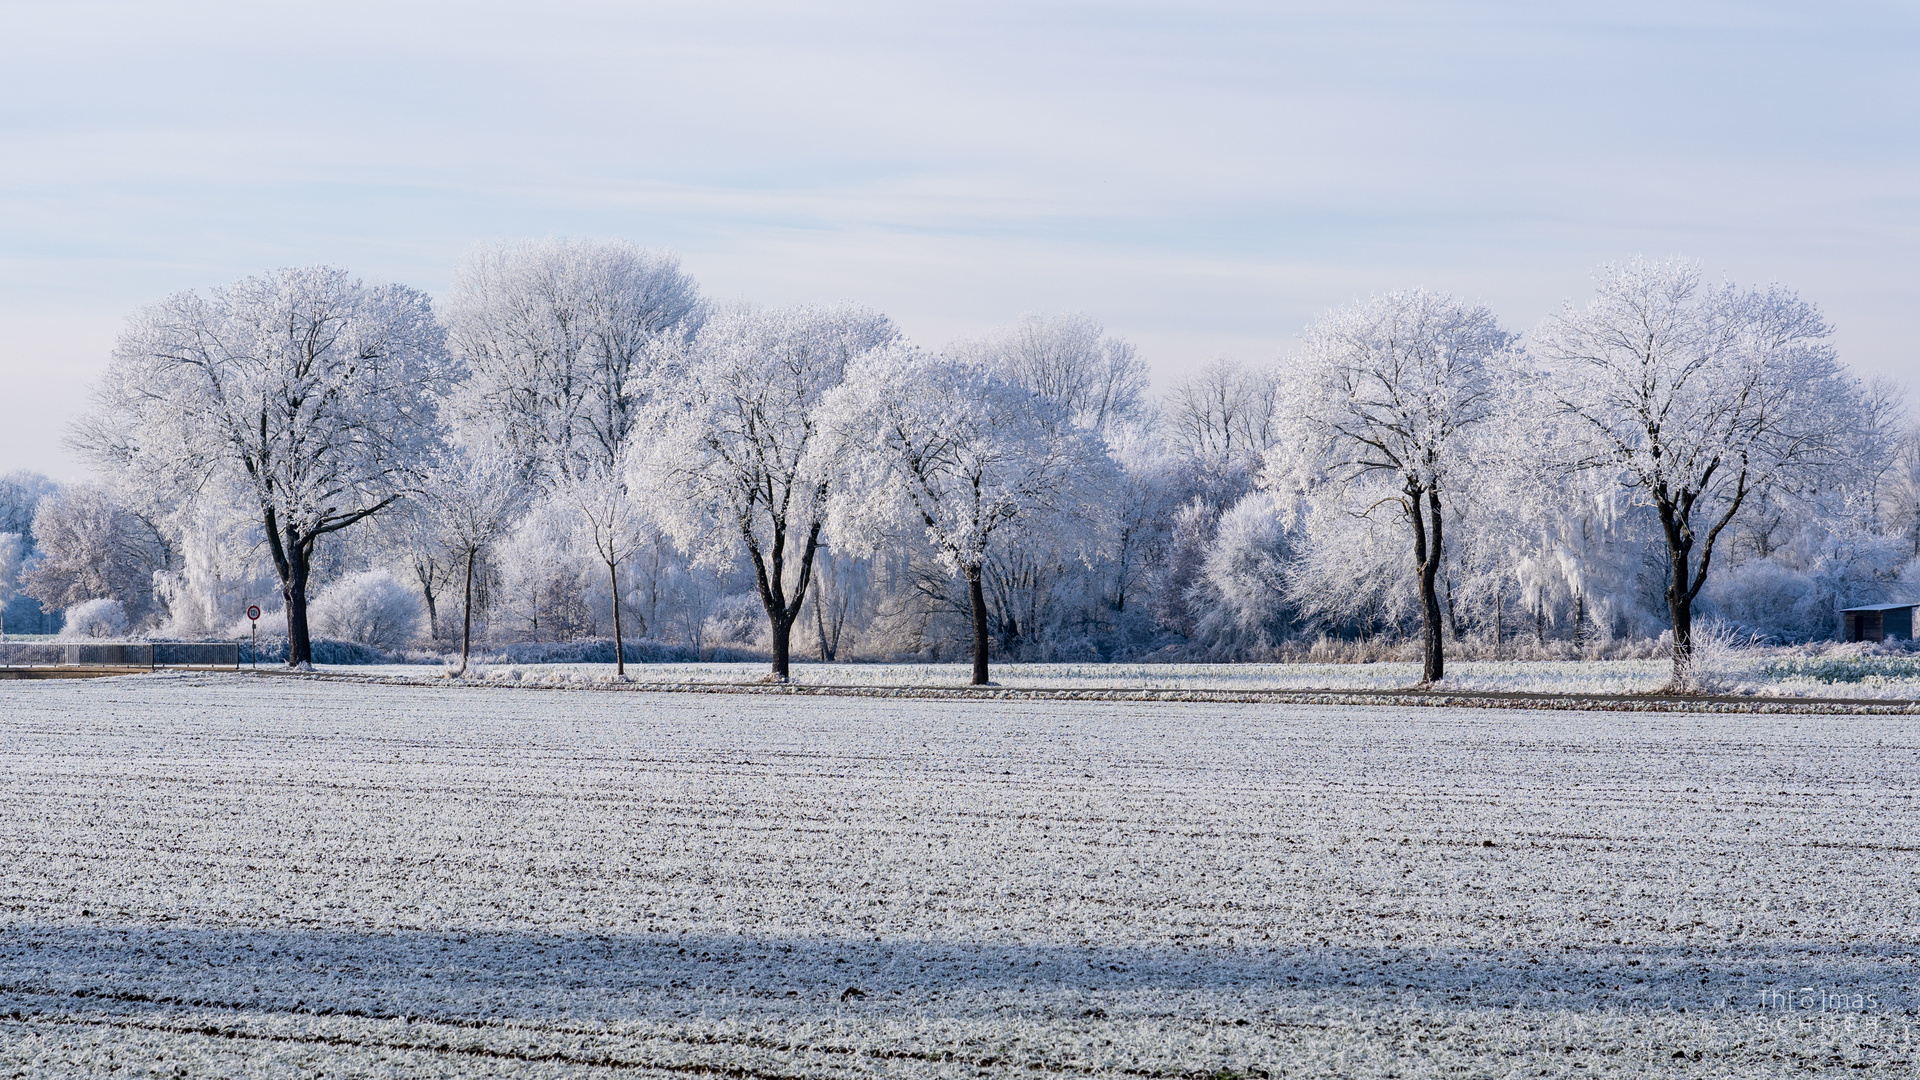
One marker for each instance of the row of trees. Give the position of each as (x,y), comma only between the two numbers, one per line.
(579,405)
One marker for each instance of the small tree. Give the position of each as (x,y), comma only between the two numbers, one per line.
(1386,391)
(304,392)
(1694,396)
(607,518)
(921,441)
(472,498)
(728,461)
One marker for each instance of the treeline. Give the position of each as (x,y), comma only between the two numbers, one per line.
(577,445)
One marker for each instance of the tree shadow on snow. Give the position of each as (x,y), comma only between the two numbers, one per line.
(451,977)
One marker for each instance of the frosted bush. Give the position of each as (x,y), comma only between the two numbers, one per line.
(1770,599)
(737,620)
(1242,588)
(94,619)
(369,608)
(1724,655)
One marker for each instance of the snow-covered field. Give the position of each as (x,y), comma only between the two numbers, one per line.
(228,875)
(1762,674)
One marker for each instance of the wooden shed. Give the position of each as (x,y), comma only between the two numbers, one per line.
(1877,622)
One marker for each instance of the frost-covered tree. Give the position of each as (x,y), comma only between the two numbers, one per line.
(921,442)
(1694,396)
(305,393)
(1070,360)
(1383,398)
(407,538)
(1045,598)
(473,497)
(558,337)
(1243,577)
(20,495)
(840,584)
(543,577)
(222,566)
(13,555)
(1225,416)
(90,548)
(1904,494)
(608,520)
(726,460)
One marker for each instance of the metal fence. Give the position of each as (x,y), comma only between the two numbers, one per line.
(159,654)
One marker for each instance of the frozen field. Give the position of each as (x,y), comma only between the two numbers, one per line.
(246,876)
(1762,674)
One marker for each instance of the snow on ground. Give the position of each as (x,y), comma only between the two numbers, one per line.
(231,875)
(1862,677)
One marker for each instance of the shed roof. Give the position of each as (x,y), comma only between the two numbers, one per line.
(1879,607)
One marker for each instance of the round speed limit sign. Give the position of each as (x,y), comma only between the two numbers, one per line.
(253,612)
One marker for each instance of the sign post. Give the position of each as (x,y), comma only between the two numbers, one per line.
(253,616)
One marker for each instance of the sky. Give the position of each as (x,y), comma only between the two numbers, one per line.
(1204,178)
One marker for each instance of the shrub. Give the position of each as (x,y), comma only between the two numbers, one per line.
(371,609)
(94,619)
(736,620)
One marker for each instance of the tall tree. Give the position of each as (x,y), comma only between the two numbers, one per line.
(1384,394)
(920,442)
(1694,396)
(309,393)
(1224,416)
(1072,361)
(727,460)
(558,336)
(561,337)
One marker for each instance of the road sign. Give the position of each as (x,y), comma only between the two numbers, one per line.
(253,614)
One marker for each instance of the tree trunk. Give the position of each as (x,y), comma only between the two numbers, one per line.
(1426,554)
(979,598)
(769,575)
(619,642)
(1499,618)
(820,626)
(1680,610)
(293,589)
(1679,596)
(466,617)
(433,610)
(782,644)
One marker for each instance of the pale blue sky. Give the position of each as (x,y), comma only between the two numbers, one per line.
(1204,178)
